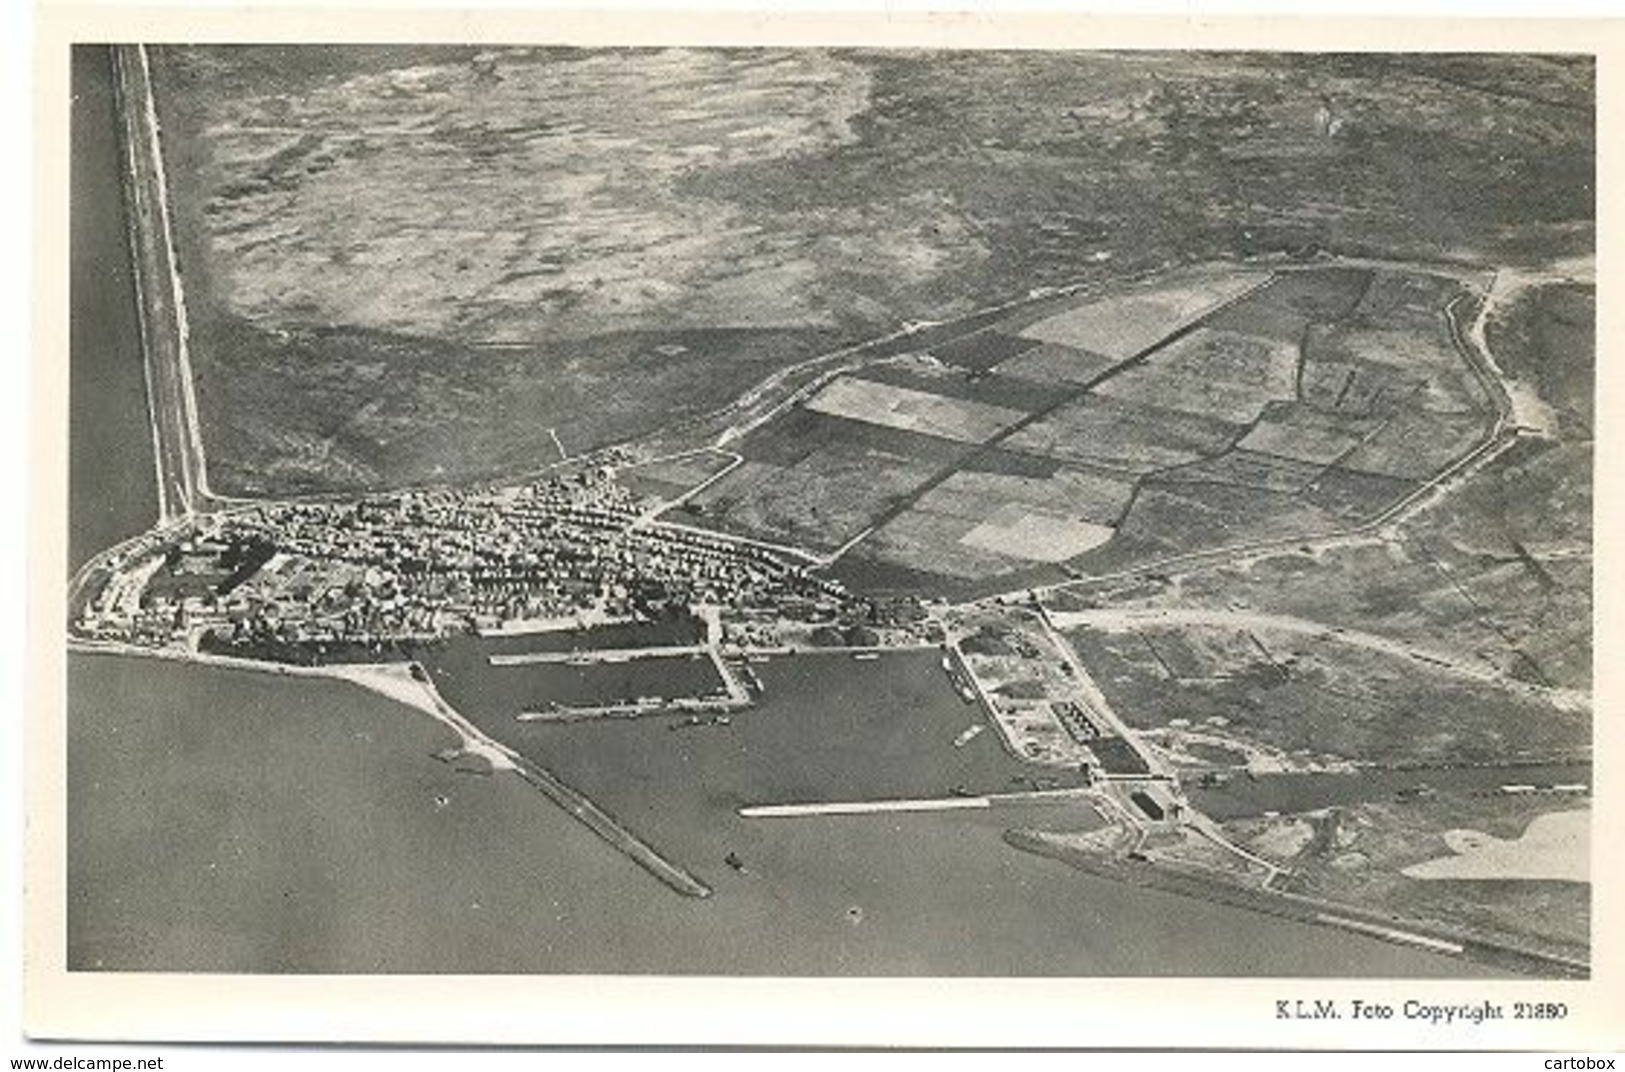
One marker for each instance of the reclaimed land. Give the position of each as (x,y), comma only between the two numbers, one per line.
(1165,423)
(359,348)
(1321,700)
(1498,572)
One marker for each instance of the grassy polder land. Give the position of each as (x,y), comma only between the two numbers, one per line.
(1494,577)
(1204,408)
(1497,573)
(1319,700)
(387,249)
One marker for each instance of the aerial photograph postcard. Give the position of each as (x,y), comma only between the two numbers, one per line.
(823,512)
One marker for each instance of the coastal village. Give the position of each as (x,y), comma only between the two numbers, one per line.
(377,579)
(351,580)
(386,579)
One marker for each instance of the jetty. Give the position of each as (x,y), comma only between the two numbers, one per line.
(735,694)
(967,802)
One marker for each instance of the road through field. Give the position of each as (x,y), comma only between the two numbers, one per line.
(1501,436)
(1031,418)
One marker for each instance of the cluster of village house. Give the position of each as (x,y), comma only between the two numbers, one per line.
(424,564)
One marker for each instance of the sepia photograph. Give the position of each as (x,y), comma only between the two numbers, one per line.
(829,510)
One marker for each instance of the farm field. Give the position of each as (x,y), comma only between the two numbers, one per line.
(1126,324)
(1497,574)
(1304,434)
(912,410)
(820,501)
(667,478)
(1123,436)
(1001,386)
(1060,463)
(1284,308)
(1061,364)
(1218,374)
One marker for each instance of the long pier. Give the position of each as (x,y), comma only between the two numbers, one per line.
(1392,934)
(920,804)
(570,799)
(605,826)
(737,695)
(418,690)
(864,807)
(1442,940)
(605,655)
(399,683)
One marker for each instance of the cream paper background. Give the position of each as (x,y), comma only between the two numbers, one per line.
(1154,1013)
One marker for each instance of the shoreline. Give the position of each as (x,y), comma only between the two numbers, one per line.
(397,682)
(1189,883)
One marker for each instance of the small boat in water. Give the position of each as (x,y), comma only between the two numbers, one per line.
(694,721)
(866,656)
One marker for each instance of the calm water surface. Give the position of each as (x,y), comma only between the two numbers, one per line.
(112,487)
(465,677)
